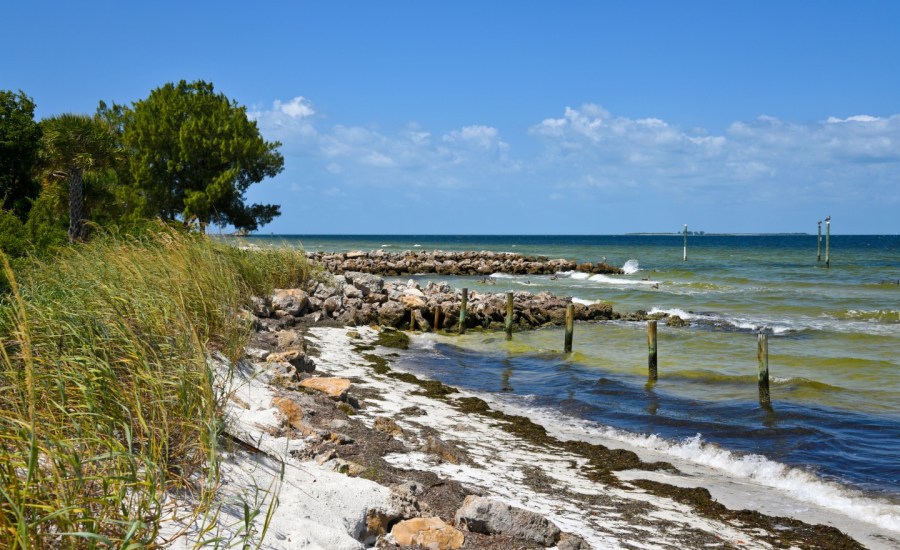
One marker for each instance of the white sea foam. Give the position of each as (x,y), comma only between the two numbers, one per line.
(606,279)
(773,326)
(798,484)
(631,266)
(502,276)
(585,302)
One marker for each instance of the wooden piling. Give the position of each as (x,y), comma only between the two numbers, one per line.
(462,310)
(762,357)
(685,242)
(651,350)
(828,242)
(509,315)
(819,244)
(437,318)
(570,327)
(412,320)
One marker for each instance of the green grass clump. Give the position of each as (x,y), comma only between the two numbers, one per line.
(106,390)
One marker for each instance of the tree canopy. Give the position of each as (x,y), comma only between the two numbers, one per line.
(193,153)
(20,141)
(73,147)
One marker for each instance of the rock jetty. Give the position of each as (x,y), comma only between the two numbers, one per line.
(482,263)
(356,298)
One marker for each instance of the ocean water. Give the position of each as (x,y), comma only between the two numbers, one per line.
(832,434)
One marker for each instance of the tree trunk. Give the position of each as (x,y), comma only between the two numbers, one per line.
(76,205)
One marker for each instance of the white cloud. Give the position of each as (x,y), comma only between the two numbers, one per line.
(299,107)
(591,156)
(854,118)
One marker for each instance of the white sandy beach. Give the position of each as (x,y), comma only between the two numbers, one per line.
(320,508)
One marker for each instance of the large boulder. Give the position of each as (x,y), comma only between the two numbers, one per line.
(292,301)
(365,282)
(391,314)
(489,516)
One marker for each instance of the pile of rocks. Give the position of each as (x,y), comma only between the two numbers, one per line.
(451,263)
(356,298)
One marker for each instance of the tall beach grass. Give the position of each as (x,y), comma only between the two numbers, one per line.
(107,402)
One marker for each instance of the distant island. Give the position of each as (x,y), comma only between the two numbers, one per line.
(705,234)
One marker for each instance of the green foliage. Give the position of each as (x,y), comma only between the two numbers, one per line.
(106,390)
(20,138)
(76,147)
(48,220)
(12,235)
(194,153)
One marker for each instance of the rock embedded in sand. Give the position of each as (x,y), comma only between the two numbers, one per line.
(492,517)
(333,387)
(432,533)
(297,359)
(387,425)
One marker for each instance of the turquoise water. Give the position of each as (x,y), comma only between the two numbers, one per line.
(834,344)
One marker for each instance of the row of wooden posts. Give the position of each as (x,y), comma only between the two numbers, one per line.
(762,350)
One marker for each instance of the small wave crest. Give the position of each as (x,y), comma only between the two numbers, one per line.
(631,266)
(886,316)
(730,323)
(799,484)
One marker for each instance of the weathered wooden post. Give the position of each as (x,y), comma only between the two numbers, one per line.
(651,350)
(570,327)
(509,315)
(412,320)
(462,310)
(819,244)
(685,242)
(437,318)
(762,357)
(828,242)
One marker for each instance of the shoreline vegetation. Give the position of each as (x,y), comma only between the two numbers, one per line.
(107,403)
(141,374)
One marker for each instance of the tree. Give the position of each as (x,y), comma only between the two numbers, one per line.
(20,140)
(72,146)
(194,153)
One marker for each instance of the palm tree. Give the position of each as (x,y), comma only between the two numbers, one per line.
(73,145)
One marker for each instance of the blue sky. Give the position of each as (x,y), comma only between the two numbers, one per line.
(516,117)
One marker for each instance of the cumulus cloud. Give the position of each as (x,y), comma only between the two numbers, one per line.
(768,152)
(588,155)
(298,107)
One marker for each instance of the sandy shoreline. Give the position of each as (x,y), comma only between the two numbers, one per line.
(301,459)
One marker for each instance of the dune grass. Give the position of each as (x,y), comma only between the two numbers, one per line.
(106,393)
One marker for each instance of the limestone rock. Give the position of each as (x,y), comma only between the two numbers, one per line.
(432,533)
(405,499)
(391,314)
(412,302)
(572,542)
(333,387)
(445,451)
(365,282)
(292,301)
(488,516)
(676,321)
(387,425)
(299,360)
(260,307)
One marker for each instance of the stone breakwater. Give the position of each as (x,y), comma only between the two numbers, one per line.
(451,263)
(356,298)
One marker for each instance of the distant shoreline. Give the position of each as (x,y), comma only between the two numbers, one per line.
(705,234)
